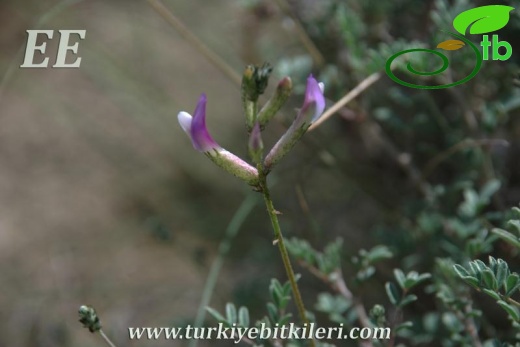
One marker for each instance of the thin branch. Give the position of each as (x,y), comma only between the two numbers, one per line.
(341,286)
(195,41)
(367,82)
(105,337)
(470,326)
(512,301)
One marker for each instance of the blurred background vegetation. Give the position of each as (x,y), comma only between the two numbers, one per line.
(104,201)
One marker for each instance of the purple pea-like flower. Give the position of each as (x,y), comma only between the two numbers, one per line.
(311,111)
(195,127)
(314,103)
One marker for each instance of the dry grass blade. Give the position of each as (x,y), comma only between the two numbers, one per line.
(367,82)
(219,63)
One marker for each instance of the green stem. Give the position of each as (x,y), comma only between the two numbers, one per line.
(273,214)
(105,337)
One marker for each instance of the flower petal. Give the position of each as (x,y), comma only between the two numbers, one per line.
(314,95)
(202,140)
(185,121)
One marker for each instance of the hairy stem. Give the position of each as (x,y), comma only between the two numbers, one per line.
(273,215)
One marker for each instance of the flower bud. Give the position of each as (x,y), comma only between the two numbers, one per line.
(254,82)
(256,146)
(283,91)
(89,318)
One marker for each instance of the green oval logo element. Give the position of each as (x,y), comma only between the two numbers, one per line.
(445,64)
(483,19)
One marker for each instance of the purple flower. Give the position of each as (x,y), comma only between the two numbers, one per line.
(311,111)
(195,127)
(314,102)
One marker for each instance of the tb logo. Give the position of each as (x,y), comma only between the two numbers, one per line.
(495,45)
(476,21)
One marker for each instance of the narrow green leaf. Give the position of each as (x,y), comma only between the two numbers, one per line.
(283,302)
(492,186)
(231,313)
(502,272)
(366,273)
(275,296)
(510,309)
(514,224)
(512,284)
(408,299)
(379,253)
(491,293)
(489,279)
(285,319)
(481,265)
(493,264)
(507,236)
(276,291)
(483,19)
(475,270)
(461,271)
(243,317)
(286,289)
(472,281)
(272,311)
(393,293)
(220,318)
(404,325)
(400,277)
(422,277)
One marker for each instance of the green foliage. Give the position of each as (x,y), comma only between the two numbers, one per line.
(336,307)
(507,236)
(365,261)
(496,279)
(326,262)
(458,212)
(276,309)
(437,163)
(399,293)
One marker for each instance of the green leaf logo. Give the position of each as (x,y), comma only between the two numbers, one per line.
(483,19)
